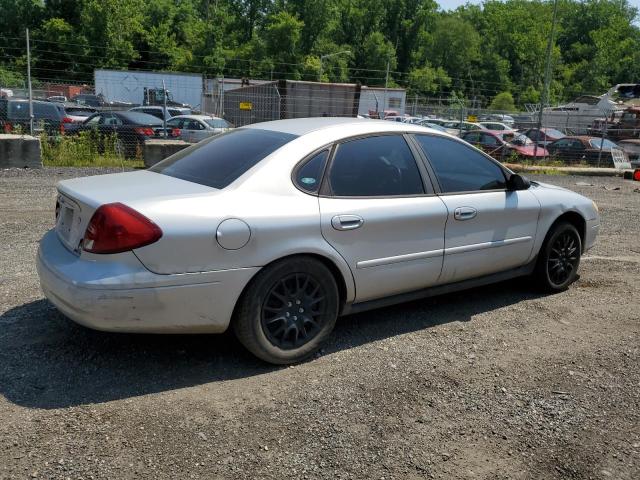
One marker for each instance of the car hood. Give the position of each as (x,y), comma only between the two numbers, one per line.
(529,150)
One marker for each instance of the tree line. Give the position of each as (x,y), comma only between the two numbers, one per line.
(474,52)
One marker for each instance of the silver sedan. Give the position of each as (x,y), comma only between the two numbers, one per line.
(276,229)
(194,128)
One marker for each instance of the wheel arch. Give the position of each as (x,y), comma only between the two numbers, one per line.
(341,282)
(575,219)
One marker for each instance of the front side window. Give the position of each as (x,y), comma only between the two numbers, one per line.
(309,175)
(375,166)
(460,168)
(219,160)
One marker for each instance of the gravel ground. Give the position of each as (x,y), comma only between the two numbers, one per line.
(494,383)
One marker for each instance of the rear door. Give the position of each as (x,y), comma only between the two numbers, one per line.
(489,229)
(379,212)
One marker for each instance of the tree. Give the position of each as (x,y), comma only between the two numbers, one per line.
(428,80)
(503,102)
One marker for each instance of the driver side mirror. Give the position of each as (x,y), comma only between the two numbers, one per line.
(518,182)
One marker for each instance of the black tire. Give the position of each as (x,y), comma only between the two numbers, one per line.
(287,311)
(559,258)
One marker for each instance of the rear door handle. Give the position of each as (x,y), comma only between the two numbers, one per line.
(464,213)
(347,222)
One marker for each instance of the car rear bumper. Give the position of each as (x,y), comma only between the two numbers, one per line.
(123,296)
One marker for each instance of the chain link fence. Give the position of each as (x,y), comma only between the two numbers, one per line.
(590,131)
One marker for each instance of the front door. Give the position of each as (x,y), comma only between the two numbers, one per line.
(380,215)
(489,229)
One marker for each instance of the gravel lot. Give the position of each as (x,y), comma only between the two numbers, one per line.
(494,383)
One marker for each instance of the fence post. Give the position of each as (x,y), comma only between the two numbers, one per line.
(29,82)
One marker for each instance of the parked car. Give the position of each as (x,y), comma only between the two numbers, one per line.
(194,128)
(503,145)
(48,117)
(78,113)
(275,229)
(57,98)
(543,136)
(434,126)
(435,121)
(586,149)
(457,128)
(498,117)
(496,126)
(89,99)
(161,112)
(131,129)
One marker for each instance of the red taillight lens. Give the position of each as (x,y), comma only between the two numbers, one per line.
(116,228)
(67,120)
(146,131)
(175,132)
(8,127)
(636,174)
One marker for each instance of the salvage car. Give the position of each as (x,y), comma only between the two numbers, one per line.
(503,145)
(593,151)
(194,128)
(275,229)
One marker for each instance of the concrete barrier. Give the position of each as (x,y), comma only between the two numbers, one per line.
(158,149)
(21,151)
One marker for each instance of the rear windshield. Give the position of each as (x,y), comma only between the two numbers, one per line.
(50,111)
(216,122)
(596,142)
(140,118)
(219,160)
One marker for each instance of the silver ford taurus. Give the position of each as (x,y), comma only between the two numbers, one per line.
(278,228)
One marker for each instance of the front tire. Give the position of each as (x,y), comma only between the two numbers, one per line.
(559,258)
(287,311)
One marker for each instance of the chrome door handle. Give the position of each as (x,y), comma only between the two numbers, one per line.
(464,213)
(347,222)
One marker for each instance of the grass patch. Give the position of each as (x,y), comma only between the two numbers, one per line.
(85,150)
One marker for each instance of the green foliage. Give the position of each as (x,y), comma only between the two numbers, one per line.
(84,150)
(477,51)
(503,102)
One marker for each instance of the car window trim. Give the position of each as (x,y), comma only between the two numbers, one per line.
(505,171)
(325,188)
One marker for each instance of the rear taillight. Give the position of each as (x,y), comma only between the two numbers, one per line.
(146,131)
(636,174)
(67,120)
(115,228)
(7,127)
(175,132)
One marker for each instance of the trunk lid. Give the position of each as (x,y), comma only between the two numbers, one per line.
(79,198)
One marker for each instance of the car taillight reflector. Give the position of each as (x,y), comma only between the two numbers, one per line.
(67,120)
(175,132)
(116,228)
(146,131)
(636,174)
(7,127)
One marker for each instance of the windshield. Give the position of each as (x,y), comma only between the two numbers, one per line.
(606,144)
(520,139)
(218,161)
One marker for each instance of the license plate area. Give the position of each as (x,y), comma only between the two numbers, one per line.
(67,222)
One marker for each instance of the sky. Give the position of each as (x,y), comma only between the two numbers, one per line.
(453,4)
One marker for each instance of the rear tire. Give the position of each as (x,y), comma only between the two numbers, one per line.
(559,258)
(287,311)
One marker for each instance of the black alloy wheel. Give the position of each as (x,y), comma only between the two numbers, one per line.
(564,257)
(294,311)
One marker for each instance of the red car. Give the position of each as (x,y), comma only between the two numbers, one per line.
(502,146)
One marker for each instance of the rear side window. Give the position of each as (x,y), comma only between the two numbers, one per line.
(460,168)
(375,166)
(309,175)
(218,161)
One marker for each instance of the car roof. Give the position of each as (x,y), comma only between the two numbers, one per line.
(198,117)
(303,126)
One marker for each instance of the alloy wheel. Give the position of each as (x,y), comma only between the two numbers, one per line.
(294,311)
(563,258)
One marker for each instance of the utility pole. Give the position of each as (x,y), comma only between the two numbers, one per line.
(322,57)
(29,84)
(164,113)
(386,85)
(547,75)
